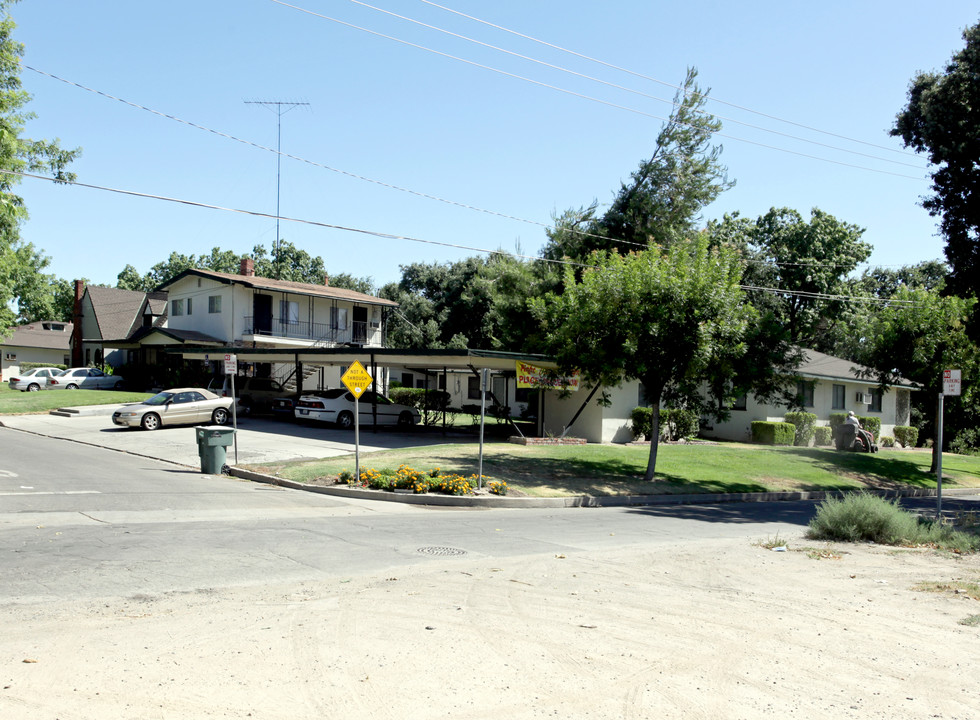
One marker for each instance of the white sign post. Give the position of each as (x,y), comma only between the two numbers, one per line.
(952,385)
(231,369)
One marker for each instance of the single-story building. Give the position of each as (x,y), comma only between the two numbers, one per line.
(45,341)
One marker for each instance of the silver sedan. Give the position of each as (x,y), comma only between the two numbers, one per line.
(34,379)
(180,406)
(87,379)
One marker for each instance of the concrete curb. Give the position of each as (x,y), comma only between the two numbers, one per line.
(87,410)
(502,501)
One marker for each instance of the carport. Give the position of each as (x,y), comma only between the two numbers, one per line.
(431,364)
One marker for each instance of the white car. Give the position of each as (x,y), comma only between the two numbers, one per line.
(86,379)
(180,406)
(337,406)
(33,380)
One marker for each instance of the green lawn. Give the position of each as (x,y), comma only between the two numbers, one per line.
(616,469)
(15,402)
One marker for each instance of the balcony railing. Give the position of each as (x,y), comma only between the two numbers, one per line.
(356,332)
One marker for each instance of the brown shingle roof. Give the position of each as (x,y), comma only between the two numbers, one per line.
(298,288)
(115,310)
(33,335)
(818,364)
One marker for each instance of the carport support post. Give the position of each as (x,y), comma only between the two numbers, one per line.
(483,414)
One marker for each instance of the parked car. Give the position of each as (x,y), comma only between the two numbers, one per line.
(86,379)
(180,406)
(34,379)
(255,394)
(337,406)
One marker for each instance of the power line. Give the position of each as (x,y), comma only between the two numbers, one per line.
(627,89)
(667,84)
(381,183)
(581,95)
(407,238)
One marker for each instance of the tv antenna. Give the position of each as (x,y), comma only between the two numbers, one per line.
(280,108)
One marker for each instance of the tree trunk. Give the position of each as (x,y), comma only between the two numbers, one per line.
(654,437)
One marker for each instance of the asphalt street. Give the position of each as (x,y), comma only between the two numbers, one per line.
(90,522)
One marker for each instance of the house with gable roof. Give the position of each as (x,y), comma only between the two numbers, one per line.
(107,318)
(248,311)
(44,341)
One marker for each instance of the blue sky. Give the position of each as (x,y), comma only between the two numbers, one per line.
(424,122)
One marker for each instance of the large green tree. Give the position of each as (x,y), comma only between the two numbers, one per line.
(663,200)
(664,317)
(19,271)
(917,336)
(942,118)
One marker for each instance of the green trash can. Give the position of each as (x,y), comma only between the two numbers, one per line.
(211,444)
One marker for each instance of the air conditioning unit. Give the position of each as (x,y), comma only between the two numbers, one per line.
(863,398)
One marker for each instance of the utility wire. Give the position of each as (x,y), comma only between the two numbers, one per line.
(407,238)
(581,95)
(667,84)
(581,233)
(627,89)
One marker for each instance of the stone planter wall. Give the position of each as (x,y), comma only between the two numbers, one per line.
(546,441)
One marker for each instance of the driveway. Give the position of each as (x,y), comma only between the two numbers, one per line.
(260,440)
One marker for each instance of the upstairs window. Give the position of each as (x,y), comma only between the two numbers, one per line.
(214,304)
(176,307)
(289,312)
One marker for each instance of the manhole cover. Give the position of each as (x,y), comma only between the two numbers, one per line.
(441,551)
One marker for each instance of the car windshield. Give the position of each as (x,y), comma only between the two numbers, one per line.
(159,399)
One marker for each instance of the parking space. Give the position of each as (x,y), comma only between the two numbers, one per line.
(260,439)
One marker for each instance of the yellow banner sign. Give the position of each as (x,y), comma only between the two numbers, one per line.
(532,376)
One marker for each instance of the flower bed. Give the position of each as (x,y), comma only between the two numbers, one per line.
(417,481)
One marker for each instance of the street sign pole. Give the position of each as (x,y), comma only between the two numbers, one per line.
(357,439)
(939,459)
(357,380)
(231,369)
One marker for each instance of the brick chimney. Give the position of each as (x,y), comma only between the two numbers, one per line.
(76,333)
(326,280)
(248,267)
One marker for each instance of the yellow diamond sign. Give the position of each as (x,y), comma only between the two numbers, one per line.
(357,379)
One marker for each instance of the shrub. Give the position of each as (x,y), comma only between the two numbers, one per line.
(804,423)
(862,517)
(640,420)
(886,441)
(966,442)
(823,435)
(908,436)
(678,423)
(837,418)
(773,433)
(346,476)
(871,423)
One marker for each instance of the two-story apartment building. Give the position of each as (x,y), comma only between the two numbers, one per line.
(248,311)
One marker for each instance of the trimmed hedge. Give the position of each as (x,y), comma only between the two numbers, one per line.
(773,433)
(823,435)
(804,422)
(906,435)
(640,420)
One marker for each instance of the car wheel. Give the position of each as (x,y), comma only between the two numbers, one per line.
(118,385)
(219,416)
(71,386)
(33,387)
(406,419)
(150,421)
(345,420)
